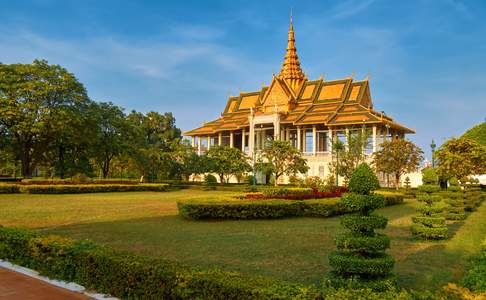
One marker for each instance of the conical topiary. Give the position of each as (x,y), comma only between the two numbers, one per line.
(472,195)
(455,198)
(431,224)
(361,251)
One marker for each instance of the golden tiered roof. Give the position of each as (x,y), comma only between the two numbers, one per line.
(301,102)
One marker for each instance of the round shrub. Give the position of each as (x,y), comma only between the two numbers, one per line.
(429,176)
(363,180)
(453,182)
(209,182)
(429,233)
(429,188)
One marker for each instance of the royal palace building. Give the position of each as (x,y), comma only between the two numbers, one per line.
(309,114)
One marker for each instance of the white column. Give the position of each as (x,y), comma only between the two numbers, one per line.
(287,134)
(251,138)
(314,139)
(220,138)
(282,134)
(374,139)
(329,140)
(243,133)
(347,138)
(193,141)
(231,139)
(199,145)
(276,129)
(209,142)
(298,138)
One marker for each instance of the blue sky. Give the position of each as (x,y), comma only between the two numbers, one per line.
(426,59)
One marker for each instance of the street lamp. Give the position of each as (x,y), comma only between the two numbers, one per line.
(432,146)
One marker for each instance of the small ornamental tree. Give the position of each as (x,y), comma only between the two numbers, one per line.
(472,196)
(431,223)
(281,158)
(397,157)
(455,198)
(360,254)
(226,162)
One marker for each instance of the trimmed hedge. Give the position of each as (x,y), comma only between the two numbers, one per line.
(92,188)
(9,189)
(350,264)
(129,276)
(267,209)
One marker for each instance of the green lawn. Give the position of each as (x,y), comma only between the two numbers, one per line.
(292,249)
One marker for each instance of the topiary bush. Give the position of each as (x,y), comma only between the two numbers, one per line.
(363,180)
(360,255)
(431,223)
(473,197)
(455,198)
(429,176)
(209,182)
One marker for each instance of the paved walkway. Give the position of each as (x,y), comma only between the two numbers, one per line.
(14,286)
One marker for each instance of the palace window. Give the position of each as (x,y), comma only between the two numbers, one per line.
(293,138)
(321,141)
(309,141)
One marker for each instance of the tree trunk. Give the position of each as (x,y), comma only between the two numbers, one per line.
(221,178)
(276,180)
(26,162)
(397,180)
(61,162)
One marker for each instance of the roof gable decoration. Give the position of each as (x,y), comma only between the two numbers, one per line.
(278,98)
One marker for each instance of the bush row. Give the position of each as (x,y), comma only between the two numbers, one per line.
(9,189)
(91,188)
(69,181)
(128,276)
(267,209)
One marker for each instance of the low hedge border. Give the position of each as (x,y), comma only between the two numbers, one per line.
(267,209)
(91,188)
(129,276)
(9,189)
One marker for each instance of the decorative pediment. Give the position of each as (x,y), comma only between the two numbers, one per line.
(278,97)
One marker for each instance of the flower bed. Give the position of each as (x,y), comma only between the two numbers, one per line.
(295,194)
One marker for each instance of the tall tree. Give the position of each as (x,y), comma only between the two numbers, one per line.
(34,99)
(226,161)
(111,137)
(281,158)
(155,141)
(397,157)
(460,158)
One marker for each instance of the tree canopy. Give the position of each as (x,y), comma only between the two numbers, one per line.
(477,133)
(226,162)
(460,158)
(281,158)
(397,157)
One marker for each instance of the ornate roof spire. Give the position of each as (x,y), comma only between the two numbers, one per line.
(291,71)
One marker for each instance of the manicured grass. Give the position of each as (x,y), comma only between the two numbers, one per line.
(294,249)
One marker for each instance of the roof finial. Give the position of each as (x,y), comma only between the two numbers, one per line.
(291,71)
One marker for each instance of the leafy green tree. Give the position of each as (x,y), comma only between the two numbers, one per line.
(460,158)
(154,144)
(346,157)
(111,135)
(34,100)
(477,133)
(281,158)
(226,162)
(397,157)
(190,162)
